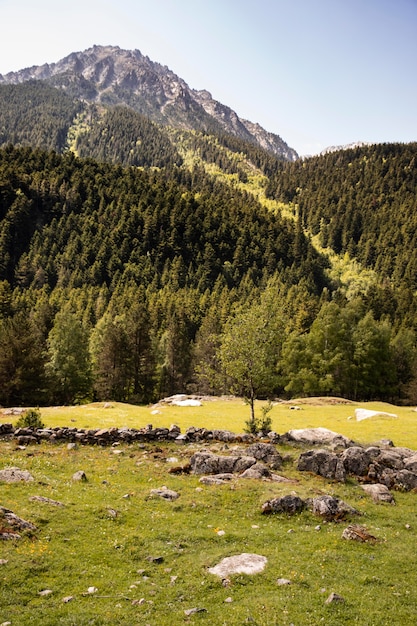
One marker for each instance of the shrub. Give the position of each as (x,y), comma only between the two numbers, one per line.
(30,419)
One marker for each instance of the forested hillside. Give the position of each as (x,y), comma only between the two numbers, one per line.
(361,201)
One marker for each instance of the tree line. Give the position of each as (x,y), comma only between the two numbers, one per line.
(128,284)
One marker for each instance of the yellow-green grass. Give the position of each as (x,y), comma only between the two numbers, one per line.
(232,413)
(85,545)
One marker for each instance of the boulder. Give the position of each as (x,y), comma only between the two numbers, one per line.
(208,463)
(379,493)
(356,461)
(267,453)
(390,458)
(318,436)
(331,508)
(165,493)
(239,564)
(323,463)
(259,470)
(364,414)
(15,475)
(405,480)
(358,533)
(410,463)
(286,504)
(11,523)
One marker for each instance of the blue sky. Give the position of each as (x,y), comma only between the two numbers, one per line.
(316,72)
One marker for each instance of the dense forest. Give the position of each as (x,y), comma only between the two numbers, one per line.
(127,283)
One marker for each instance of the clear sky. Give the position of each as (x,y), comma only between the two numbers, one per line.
(316,72)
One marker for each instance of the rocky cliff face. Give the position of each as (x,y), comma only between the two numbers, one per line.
(109,75)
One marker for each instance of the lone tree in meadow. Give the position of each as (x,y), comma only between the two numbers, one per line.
(249,353)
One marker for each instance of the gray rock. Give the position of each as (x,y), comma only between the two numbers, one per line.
(207,463)
(323,463)
(356,461)
(283,581)
(165,493)
(319,436)
(358,533)
(405,480)
(218,479)
(80,476)
(379,493)
(334,598)
(265,452)
(410,463)
(286,504)
(189,612)
(45,500)
(239,564)
(391,459)
(331,508)
(257,471)
(15,475)
(13,522)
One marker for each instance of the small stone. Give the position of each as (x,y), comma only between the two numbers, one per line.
(334,598)
(189,612)
(173,579)
(3,561)
(291,530)
(408,526)
(283,581)
(220,533)
(5,624)
(138,602)
(71,446)
(318,527)
(229,599)
(80,476)
(155,559)
(92,590)
(165,493)
(67,599)
(45,592)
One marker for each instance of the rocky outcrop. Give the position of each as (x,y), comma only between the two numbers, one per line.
(323,463)
(208,463)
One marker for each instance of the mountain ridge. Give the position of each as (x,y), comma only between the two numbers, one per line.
(111,76)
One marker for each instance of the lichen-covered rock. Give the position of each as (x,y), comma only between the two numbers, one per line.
(379,493)
(165,493)
(286,504)
(267,453)
(323,463)
(356,461)
(318,436)
(331,508)
(207,463)
(15,475)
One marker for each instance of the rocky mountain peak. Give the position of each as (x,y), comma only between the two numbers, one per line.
(111,75)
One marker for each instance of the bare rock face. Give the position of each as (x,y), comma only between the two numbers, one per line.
(239,564)
(15,475)
(323,463)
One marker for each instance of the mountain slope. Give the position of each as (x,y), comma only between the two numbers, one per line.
(110,76)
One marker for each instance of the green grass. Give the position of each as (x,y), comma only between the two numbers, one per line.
(82,545)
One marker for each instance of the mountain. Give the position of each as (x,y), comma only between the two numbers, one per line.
(110,76)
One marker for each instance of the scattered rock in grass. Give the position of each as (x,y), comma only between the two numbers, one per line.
(71,446)
(180,469)
(67,599)
(286,504)
(80,476)
(45,592)
(4,561)
(189,612)
(239,564)
(379,493)
(358,533)
(277,478)
(15,475)
(155,559)
(219,479)
(283,581)
(228,600)
(112,513)
(13,522)
(92,590)
(165,493)
(46,500)
(208,463)
(331,508)
(334,598)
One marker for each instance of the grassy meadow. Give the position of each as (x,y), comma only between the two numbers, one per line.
(115,555)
